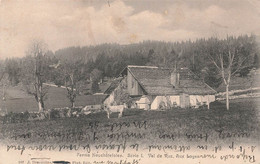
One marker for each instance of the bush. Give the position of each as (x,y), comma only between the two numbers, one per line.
(16,117)
(54,114)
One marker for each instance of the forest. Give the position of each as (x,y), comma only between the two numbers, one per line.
(89,64)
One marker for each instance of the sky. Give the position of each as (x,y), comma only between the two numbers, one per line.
(64,23)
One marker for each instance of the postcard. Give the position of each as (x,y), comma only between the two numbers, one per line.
(129,82)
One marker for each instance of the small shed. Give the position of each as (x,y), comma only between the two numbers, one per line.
(94,102)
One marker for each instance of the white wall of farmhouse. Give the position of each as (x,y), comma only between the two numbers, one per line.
(192,100)
(159,99)
(197,100)
(143,103)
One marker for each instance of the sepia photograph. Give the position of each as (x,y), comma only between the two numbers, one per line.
(129,81)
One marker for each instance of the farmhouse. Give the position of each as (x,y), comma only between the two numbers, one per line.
(149,87)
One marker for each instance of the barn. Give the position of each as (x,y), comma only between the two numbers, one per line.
(155,88)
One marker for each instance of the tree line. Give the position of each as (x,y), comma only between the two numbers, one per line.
(214,60)
(110,59)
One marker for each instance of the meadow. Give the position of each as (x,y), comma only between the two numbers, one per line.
(18,100)
(182,126)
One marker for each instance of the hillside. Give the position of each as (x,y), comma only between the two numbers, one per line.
(242,83)
(18,100)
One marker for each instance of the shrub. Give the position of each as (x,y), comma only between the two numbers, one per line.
(16,117)
(54,114)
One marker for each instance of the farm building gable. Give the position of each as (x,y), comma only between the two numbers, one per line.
(113,85)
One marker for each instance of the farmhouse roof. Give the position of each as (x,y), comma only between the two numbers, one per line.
(94,99)
(192,84)
(156,81)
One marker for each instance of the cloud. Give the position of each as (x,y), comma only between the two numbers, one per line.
(215,20)
(77,23)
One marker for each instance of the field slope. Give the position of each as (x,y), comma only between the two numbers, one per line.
(217,125)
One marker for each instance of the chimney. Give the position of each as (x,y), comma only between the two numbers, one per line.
(175,77)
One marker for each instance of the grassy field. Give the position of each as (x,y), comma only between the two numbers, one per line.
(217,125)
(18,100)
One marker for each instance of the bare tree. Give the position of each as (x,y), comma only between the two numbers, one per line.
(3,83)
(2,71)
(228,62)
(72,76)
(34,72)
(96,76)
(71,89)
